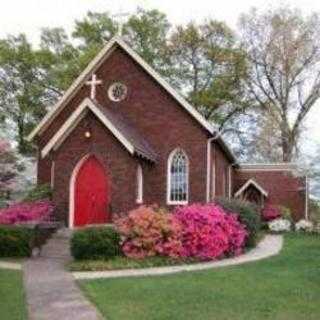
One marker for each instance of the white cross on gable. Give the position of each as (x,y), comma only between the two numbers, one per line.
(93,83)
(121,17)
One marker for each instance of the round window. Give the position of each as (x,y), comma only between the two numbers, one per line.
(117,92)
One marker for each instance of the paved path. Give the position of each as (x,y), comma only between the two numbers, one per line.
(51,291)
(269,246)
(10,265)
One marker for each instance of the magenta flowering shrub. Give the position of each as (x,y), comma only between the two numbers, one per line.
(270,212)
(148,231)
(209,233)
(204,232)
(27,212)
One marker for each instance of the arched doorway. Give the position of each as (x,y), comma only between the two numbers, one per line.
(90,194)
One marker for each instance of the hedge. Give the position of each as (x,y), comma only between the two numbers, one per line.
(95,243)
(16,241)
(249,215)
(39,192)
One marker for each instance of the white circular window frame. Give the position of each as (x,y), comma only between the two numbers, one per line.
(111,88)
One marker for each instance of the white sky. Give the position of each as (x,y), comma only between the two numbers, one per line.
(29,16)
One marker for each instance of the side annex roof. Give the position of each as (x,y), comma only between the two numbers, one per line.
(249,183)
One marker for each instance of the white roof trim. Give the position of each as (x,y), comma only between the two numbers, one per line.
(93,66)
(247,184)
(72,121)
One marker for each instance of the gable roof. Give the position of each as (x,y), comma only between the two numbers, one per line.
(119,126)
(249,183)
(94,65)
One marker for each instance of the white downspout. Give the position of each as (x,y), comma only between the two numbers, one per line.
(307,199)
(229,176)
(209,166)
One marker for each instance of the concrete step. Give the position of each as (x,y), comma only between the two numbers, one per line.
(63,233)
(58,246)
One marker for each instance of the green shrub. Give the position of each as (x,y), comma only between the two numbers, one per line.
(285,213)
(95,243)
(249,215)
(16,241)
(39,192)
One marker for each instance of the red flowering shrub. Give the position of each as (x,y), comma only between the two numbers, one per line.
(198,231)
(148,231)
(27,212)
(208,232)
(270,212)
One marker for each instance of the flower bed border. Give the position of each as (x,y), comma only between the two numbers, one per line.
(270,246)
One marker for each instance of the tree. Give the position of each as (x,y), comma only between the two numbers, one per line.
(21,88)
(209,68)
(8,168)
(283,50)
(95,29)
(146,31)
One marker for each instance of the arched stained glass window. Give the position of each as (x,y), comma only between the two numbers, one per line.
(178,177)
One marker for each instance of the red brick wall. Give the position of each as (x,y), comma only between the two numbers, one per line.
(221,167)
(282,186)
(155,114)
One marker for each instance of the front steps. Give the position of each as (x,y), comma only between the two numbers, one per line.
(58,246)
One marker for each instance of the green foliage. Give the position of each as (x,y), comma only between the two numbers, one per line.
(146,31)
(21,89)
(95,29)
(16,241)
(285,213)
(122,262)
(95,243)
(210,63)
(249,215)
(12,302)
(39,192)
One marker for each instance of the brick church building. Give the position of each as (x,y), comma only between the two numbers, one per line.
(122,136)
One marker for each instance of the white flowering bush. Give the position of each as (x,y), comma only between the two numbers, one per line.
(317,228)
(279,225)
(304,225)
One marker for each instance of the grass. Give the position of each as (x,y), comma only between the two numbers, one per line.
(12,302)
(118,263)
(285,287)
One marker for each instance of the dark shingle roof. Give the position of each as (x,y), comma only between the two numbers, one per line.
(141,145)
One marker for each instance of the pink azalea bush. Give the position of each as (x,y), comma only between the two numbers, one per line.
(27,212)
(209,233)
(149,231)
(204,232)
(270,212)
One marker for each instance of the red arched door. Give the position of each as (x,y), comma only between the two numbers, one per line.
(91,194)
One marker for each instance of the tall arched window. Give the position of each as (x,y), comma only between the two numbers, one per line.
(178,178)
(139,185)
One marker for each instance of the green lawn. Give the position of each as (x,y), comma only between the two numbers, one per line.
(285,287)
(12,304)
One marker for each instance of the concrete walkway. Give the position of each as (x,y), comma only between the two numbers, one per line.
(51,291)
(10,265)
(271,245)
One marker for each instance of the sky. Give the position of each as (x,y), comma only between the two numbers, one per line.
(29,16)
